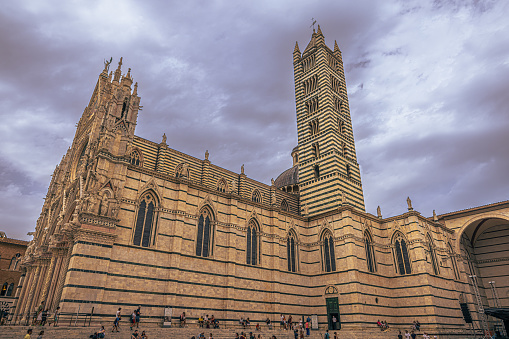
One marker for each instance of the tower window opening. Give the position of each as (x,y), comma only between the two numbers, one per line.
(316,150)
(401,256)
(310,85)
(204,238)
(252,244)
(316,168)
(312,105)
(291,251)
(337,104)
(308,63)
(335,84)
(256,197)
(329,259)
(314,127)
(348,172)
(341,126)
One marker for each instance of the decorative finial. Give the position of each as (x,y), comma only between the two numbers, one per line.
(379,212)
(135,91)
(409,203)
(435,218)
(128,73)
(242,169)
(164,137)
(120,63)
(319,30)
(207,155)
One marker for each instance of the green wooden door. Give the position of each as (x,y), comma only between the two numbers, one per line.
(333,313)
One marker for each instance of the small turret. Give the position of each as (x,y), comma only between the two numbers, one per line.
(296,53)
(118,72)
(127,81)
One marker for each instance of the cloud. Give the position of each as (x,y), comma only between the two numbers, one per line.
(427,87)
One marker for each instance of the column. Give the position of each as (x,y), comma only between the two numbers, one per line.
(47,279)
(23,297)
(54,281)
(30,295)
(61,278)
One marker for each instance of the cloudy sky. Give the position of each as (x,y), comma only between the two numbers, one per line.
(427,83)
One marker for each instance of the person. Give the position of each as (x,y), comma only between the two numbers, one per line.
(55,317)
(248,321)
(201,336)
(38,320)
(242,336)
(251,336)
(206,320)
(400,336)
(237,336)
(138,316)
(135,335)
(407,335)
(282,325)
(101,333)
(200,321)
(40,335)
(44,317)
(326,336)
(290,323)
(307,328)
(183,319)
(144,335)
(301,332)
(257,326)
(29,334)
(296,333)
(425,336)
(133,319)
(413,335)
(210,336)
(417,325)
(116,322)
(334,321)
(336,335)
(269,324)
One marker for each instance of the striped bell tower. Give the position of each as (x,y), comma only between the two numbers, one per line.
(329,175)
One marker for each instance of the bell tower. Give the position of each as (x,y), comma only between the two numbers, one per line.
(329,175)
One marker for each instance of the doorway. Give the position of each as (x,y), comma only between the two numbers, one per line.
(333,320)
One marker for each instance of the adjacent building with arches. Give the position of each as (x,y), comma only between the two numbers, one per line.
(128,221)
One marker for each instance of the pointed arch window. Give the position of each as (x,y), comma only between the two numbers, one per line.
(370,253)
(14,262)
(284,205)
(221,186)
(291,251)
(401,255)
(256,196)
(4,289)
(453,262)
(145,220)
(204,238)
(432,254)
(9,290)
(329,260)
(252,243)
(134,158)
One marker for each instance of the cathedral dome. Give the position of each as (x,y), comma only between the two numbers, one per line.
(289,177)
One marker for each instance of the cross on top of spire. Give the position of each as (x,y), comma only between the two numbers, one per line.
(313,24)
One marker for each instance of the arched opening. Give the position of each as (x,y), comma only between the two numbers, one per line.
(370,253)
(145,220)
(291,251)
(484,247)
(204,237)
(328,257)
(252,239)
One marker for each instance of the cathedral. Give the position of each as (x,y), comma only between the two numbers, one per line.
(131,222)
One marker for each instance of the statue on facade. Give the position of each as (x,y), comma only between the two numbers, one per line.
(409,203)
(207,155)
(107,64)
(379,212)
(242,169)
(164,139)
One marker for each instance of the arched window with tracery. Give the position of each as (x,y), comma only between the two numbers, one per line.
(284,205)
(328,258)
(401,255)
(146,218)
(204,237)
(134,158)
(4,289)
(453,261)
(252,243)
(221,186)
(291,251)
(432,254)
(256,196)
(14,262)
(370,253)
(9,290)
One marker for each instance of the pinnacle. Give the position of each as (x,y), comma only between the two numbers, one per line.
(336,48)
(319,30)
(296,47)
